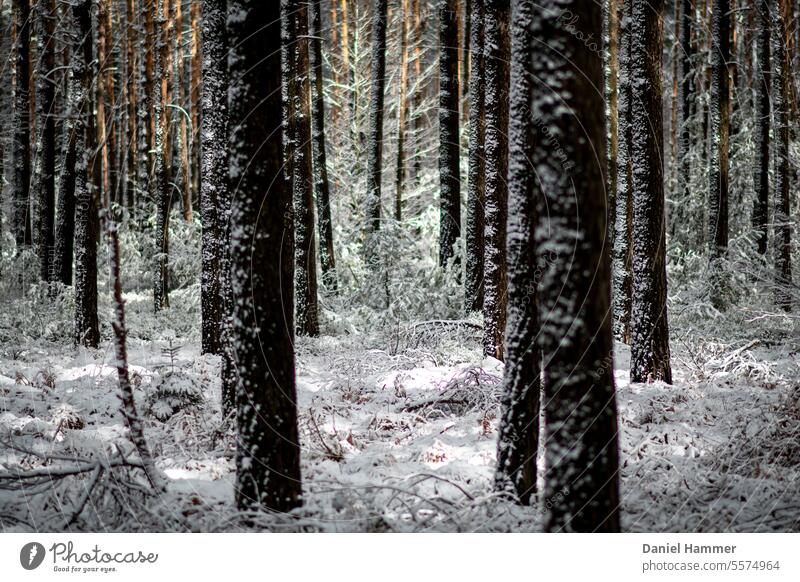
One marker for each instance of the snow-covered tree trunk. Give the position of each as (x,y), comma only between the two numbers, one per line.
(288,64)
(402,112)
(650,356)
(496,62)
(611,69)
(22,125)
(160,187)
(686,96)
(372,204)
(782,237)
(762,110)
(132,60)
(86,172)
(476,172)
(305,248)
(321,182)
(718,158)
(518,442)
(46,90)
(214,198)
(623,197)
(268,456)
(581,451)
(449,138)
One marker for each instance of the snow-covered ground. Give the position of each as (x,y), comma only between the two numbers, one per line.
(398,429)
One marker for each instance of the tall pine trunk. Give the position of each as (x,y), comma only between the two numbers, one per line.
(47,117)
(87,172)
(718,158)
(780,101)
(650,356)
(623,197)
(372,204)
(321,182)
(476,172)
(22,125)
(762,110)
(214,198)
(496,59)
(268,456)
(581,450)
(518,442)
(305,248)
(160,189)
(449,138)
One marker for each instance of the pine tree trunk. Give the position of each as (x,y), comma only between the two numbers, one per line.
(87,175)
(518,441)
(213,172)
(623,199)
(22,125)
(650,355)
(581,450)
(686,86)
(305,248)
(610,14)
(47,117)
(268,457)
(321,183)
(762,110)
(402,112)
(477,170)
(131,94)
(449,137)
(194,96)
(372,205)
(718,158)
(160,187)
(496,59)
(183,135)
(780,102)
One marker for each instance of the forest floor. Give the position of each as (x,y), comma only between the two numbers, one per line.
(398,432)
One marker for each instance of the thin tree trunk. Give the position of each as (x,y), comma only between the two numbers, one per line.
(160,189)
(762,111)
(321,183)
(22,125)
(780,102)
(449,137)
(47,118)
(402,112)
(372,204)
(87,176)
(477,170)
(496,59)
(305,248)
(183,135)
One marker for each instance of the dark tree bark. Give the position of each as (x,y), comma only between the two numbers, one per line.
(718,158)
(496,58)
(686,94)
(518,442)
(477,170)
(305,248)
(623,198)
(650,356)
(372,204)
(22,125)
(781,105)
(46,89)
(214,198)
(160,187)
(321,183)
(762,110)
(86,177)
(581,451)
(402,112)
(268,457)
(449,138)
